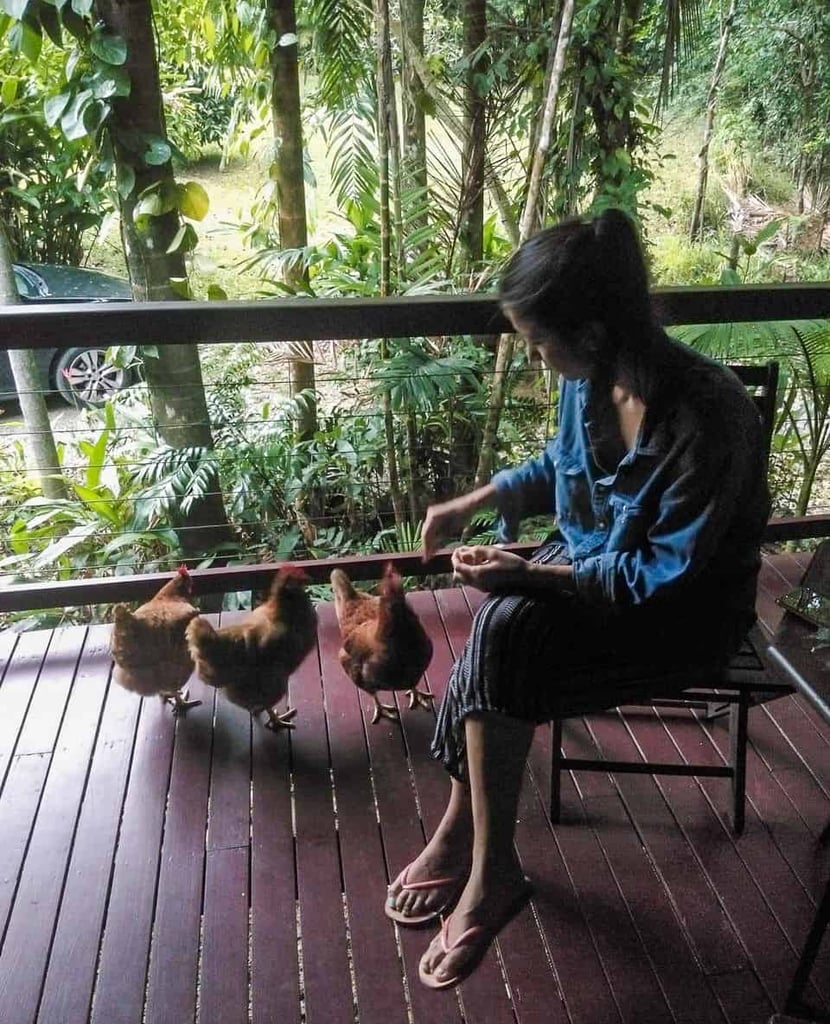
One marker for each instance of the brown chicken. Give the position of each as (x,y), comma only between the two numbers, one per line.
(252,659)
(148,645)
(385,646)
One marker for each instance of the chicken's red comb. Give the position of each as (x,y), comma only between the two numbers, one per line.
(391,582)
(183,571)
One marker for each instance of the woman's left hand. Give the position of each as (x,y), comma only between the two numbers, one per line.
(489,568)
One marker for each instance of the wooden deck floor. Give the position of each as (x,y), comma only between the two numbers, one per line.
(164,871)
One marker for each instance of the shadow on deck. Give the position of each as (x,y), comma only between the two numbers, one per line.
(163,870)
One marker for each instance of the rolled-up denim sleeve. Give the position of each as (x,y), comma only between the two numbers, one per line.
(525,490)
(695,511)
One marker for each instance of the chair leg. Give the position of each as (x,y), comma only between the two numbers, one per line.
(808,954)
(738,722)
(555,769)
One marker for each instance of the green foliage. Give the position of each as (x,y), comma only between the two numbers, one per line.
(677,261)
(104,525)
(51,189)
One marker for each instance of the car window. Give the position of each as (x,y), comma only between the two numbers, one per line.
(27,283)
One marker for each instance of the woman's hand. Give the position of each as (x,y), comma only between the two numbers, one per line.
(450,517)
(489,568)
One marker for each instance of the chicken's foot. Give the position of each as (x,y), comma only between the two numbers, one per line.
(384,711)
(178,700)
(420,699)
(278,721)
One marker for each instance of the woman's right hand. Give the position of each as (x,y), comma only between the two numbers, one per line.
(443,521)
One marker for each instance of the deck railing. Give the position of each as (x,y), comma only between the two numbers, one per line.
(281,321)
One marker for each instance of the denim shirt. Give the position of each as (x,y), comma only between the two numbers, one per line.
(680,516)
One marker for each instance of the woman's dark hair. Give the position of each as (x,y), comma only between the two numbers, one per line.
(582,271)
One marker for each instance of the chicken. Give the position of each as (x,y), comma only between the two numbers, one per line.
(385,646)
(148,645)
(252,659)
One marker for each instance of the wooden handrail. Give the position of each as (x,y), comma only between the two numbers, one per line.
(51,594)
(44,325)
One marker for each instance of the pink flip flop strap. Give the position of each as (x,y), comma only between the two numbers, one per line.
(462,938)
(432,883)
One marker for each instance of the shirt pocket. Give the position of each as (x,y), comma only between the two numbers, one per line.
(628,524)
(573,492)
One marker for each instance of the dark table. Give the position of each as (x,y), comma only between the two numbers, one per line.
(807,666)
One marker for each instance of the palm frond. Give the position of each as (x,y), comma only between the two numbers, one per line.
(344,56)
(682,32)
(352,147)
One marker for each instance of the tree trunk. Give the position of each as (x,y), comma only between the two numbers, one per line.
(413,99)
(293,230)
(173,372)
(41,451)
(504,354)
(696,226)
(529,220)
(471,233)
(383,78)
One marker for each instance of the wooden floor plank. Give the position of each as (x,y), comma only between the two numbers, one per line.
(704,919)
(624,960)
(67,991)
(28,936)
(223,982)
(411,800)
(275,982)
(171,983)
(119,991)
(764,863)
(230,777)
(17,688)
(374,953)
(223,975)
(708,834)
(327,990)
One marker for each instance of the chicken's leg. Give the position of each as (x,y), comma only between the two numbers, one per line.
(178,700)
(384,711)
(420,698)
(278,721)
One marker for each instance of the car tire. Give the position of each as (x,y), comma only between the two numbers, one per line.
(84,376)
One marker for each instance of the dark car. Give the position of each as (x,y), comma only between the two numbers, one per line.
(82,375)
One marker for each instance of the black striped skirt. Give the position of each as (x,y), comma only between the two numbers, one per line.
(535,657)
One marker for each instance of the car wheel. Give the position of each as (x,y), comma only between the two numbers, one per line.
(84,376)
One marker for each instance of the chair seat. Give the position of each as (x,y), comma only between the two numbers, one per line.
(748,679)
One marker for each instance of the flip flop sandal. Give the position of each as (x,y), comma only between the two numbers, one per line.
(452,883)
(480,934)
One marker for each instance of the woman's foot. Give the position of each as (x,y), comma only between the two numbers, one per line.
(483,909)
(430,885)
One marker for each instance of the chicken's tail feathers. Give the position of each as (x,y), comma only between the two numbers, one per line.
(121,614)
(341,585)
(198,632)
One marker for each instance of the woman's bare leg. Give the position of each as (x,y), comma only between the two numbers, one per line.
(446,855)
(497,747)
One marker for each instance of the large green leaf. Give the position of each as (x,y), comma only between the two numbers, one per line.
(54,106)
(72,121)
(108,47)
(157,151)
(15,8)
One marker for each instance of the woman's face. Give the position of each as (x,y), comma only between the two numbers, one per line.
(561,352)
